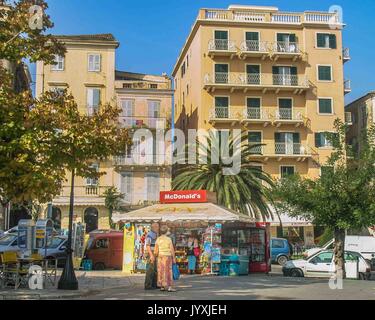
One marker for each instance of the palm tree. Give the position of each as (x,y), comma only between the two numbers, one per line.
(246,192)
(112,202)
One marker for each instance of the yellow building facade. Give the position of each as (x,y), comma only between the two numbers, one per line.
(277,76)
(88,71)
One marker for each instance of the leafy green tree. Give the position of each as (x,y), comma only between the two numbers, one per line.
(342,198)
(246,192)
(113,200)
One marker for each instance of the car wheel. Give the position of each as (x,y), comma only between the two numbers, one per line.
(296,273)
(282,260)
(99,266)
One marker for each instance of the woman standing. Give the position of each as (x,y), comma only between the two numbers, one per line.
(193,246)
(164,250)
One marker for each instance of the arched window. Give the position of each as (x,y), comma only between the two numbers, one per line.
(91,219)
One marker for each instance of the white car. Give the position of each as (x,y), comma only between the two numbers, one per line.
(322,265)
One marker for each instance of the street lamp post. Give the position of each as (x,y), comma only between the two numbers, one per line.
(68,280)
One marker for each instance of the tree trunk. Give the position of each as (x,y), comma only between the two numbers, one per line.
(339,250)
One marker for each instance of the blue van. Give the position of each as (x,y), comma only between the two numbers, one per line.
(280,251)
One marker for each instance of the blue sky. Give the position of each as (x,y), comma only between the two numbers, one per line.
(152,32)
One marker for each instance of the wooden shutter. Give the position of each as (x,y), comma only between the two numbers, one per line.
(252,36)
(318,140)
(253,69)
(332,41)
(292,38)
(321,42)
(293,71)
(275,70)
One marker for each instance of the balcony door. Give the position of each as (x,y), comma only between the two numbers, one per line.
(221,73)
(127,107)
(287,143)
(93,100)
(284,75)
(126,186)
(286,42)
(252,41)
(253,108)
(285,109)
(255,140)
(253,73)
(221,107)
(153,113)
(152,185)
(221,40)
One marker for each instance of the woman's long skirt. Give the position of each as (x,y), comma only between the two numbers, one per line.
(165,274)
(192,262)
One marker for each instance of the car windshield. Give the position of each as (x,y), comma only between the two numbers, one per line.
(55,243)
(7,240)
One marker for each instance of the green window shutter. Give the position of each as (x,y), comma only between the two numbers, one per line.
(253,69)
(324,73)
(278,137)
(252,36)
(222,102)
(281,37)
(332,41)
(221,68)
(292,38)
(325,106)
(253,102)
(321,40)
(285,103)
(255,137)
(275,70)
(293,71)
(296,137)
(221,35)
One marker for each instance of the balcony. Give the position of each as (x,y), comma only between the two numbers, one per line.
(281,151)
(348,118)
(347,86)
(286,49)
(263,82)
(223,115)
(87,195)
(346,55)
(243,15)
(289,116)
(256,116)
(221,47)
(253,48)
(141,160)
(137,122)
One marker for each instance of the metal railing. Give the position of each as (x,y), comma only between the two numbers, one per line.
(283,148)
(289,114)
(244,79)
(256,148)
(141,159)
(83,191)
(347,86)
(346,53)
(220,113)
(286,47)
(254,46)
(140,122)
(221,45)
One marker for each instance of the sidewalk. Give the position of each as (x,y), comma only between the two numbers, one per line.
(90,283)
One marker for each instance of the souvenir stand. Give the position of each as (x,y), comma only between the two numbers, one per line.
(185,213)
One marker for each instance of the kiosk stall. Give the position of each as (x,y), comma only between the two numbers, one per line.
(220,231)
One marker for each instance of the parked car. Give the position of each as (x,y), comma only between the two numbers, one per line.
(105,250)
(322,265)
(9,242)
(280,251)
(361,244)
(56,250)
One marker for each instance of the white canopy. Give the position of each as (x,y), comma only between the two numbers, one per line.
(182,212)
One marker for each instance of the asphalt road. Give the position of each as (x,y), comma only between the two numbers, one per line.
(255,287)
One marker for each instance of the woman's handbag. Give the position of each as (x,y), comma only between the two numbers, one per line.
(197,252)
(176,272)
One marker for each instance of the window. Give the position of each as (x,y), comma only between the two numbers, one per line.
(187,89)
(187,61)
(127,107)
(287,42)
(152,186)
(253,108)
(284,75)
(252,41)
(324,73)
(153,86)
(253,74)
(101,244)
(278,244)
(222,107)
(183,70)
(126,186)
(286,108)
(60,63)
(325,257)
(221,40)
(326,41)
(321,140)
(93,100)
(325,106)
(287,171)
(127,85)
(93,181)
(253,102)
(221,73)
(255,139)
(94,63)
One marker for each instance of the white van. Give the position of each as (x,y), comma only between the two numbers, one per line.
(363,245)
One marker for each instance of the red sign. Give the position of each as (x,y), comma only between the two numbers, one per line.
(200,196)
